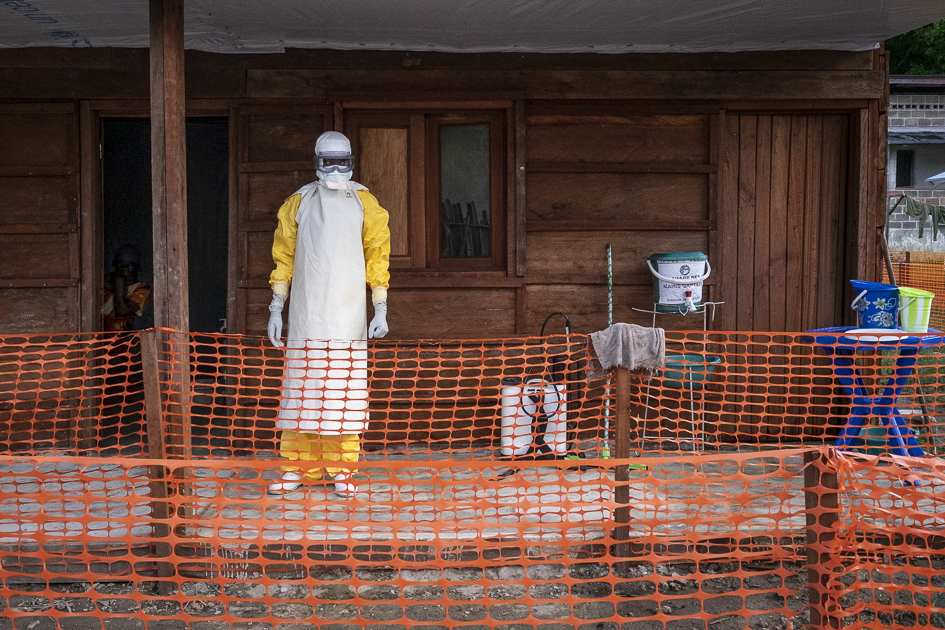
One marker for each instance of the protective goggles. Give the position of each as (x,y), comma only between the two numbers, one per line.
(334,164)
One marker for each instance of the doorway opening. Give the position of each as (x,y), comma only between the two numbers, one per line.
(126,198)
(126,227)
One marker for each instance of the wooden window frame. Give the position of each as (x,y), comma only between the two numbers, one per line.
(422,121)
(412,122)
(497,189)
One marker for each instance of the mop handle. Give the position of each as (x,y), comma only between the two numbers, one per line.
(610,286)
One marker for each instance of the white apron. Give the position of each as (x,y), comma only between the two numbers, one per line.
(325,389)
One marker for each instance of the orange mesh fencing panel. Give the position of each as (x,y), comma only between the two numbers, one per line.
(72,394)
(713,538)
(161,480)
(884,566)
(922,270)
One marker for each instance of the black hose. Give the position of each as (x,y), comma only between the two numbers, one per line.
(567,323)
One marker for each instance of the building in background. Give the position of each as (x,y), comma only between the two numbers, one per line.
(916,152)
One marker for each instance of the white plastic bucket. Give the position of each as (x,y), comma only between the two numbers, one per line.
(916,308)
(677,280)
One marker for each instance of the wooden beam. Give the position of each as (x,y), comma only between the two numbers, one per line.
(36,283)
(168,165)
(517,221)
(621,452)
(233,220)
(579,225)
(620,167)
(158,474)
(822,507)
(622,423)
(90,221)
(727,263)
(407,84)
(153,409)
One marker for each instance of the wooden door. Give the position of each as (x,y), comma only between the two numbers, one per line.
(782,220)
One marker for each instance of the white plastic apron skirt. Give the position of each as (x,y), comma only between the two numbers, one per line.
(324,404)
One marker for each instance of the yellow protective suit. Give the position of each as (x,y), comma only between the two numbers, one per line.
(328,243)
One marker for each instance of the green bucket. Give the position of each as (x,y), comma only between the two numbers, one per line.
(916,307)
(675,274)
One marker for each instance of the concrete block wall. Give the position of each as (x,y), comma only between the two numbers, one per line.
(917,110)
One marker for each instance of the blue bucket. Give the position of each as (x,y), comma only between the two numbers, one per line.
(876,305)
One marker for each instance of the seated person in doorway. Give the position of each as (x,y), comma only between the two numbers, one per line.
(125,297)
(332,237)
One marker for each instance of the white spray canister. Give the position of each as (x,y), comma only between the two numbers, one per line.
(533,417)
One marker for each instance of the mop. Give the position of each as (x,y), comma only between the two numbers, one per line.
(605,453)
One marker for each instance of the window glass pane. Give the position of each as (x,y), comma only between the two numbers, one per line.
(465,215)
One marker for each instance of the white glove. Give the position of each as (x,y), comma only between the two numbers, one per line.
(275,320)
(378,327)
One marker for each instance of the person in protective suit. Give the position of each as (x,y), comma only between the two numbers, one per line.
(331,238)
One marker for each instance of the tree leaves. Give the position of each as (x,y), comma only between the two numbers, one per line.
(921,51)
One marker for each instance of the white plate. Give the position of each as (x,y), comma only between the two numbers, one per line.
(872,335)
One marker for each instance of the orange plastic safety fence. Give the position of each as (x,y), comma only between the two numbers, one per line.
(715,539)
(885,565)
(922,270)
(218,396)
(484,491)
(72,394)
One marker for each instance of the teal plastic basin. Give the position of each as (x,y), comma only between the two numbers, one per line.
(688,371)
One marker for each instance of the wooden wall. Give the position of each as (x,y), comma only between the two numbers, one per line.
(275,159)
(767,162)
(785,177)
(39,219)
(642,182)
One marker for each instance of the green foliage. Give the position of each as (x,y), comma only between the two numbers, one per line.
(921,51)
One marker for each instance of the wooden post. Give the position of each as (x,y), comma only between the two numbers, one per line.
(168,165)
(152,395)
(822,503)
(621,437)
(622,417)
(169,189)
(159,492)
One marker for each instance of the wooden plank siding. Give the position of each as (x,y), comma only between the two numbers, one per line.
(771,163)
(39,217)
(790,175)
(275,148)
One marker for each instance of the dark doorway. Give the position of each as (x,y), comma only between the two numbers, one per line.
(126,194)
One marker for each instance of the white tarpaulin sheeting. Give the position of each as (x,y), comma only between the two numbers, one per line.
(609,26)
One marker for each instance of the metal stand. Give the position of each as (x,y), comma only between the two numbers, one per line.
(701,309)
(687,382)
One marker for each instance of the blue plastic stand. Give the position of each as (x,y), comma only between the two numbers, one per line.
(843,349)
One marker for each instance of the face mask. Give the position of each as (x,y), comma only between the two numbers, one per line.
(335,181)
